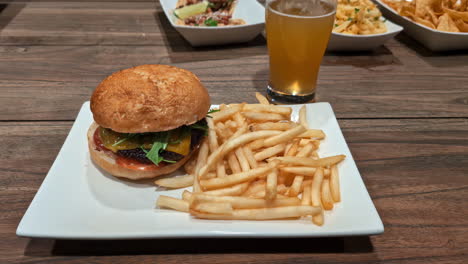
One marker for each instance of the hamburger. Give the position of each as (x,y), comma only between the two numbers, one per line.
(148,121)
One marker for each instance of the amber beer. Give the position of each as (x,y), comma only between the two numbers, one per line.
(297,35)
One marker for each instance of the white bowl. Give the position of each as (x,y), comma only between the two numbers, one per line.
(250,11)
(347,42)
(433,39)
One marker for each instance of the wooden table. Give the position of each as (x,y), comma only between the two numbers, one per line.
(403,111)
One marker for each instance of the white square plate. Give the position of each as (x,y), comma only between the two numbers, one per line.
(250,11)
(433,39)
(79,201)
(348,42)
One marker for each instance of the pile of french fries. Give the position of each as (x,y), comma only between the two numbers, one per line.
(257,164)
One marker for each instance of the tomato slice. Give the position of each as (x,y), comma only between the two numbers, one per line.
(135,165)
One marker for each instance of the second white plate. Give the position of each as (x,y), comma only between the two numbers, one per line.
(250,11)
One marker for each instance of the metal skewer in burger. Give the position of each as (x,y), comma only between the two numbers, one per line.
(149,120)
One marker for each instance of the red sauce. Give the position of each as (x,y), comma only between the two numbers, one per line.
(126,162)
(136,165)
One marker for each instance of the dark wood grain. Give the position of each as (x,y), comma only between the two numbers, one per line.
(394,87)
(415,171)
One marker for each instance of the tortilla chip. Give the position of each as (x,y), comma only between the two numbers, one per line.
(452,26)
(422,5)
(463,5)
(424,22)
(457,14)
(462,26)
(446,24)
(433,16)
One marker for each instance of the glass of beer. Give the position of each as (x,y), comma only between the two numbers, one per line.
(297,36)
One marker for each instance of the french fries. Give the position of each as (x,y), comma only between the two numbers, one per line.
(258,164)
(176,182)
(172,203)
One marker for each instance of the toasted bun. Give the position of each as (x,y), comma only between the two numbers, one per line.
(149,98)
(108,162)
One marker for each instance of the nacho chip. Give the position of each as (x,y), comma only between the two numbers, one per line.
(456,14)
(446,24)
(424,22)
(433,16)
(423,5)
(462,26)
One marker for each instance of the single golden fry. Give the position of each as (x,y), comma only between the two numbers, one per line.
(176,182)
(316,186)
(240,202)
(257,116)
(256,144)
(306,195)
(244,163)
(313,133)
(318,219)
(229,191)
(285,111)
(284,136)
(263,213)
(303,117)
(250,157)
(335,184)
(327,200)
(306,150)
(226,113)
(212,138)
(292,151)
(233,179)
(220,169)
(305,171)
(172,203)
(214,208)
(309,162)
(233,163)
(273,126)
(202,158)
(271,185)
(296,186)
(261,99)
(269,152)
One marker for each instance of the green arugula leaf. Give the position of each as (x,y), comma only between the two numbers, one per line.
(129,136)
(356,10)
(211,23)
(212,111)
(160,143)
(200,126)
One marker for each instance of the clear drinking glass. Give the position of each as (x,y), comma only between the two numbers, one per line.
(297,36)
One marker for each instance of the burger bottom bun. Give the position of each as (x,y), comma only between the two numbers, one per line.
(107,161)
